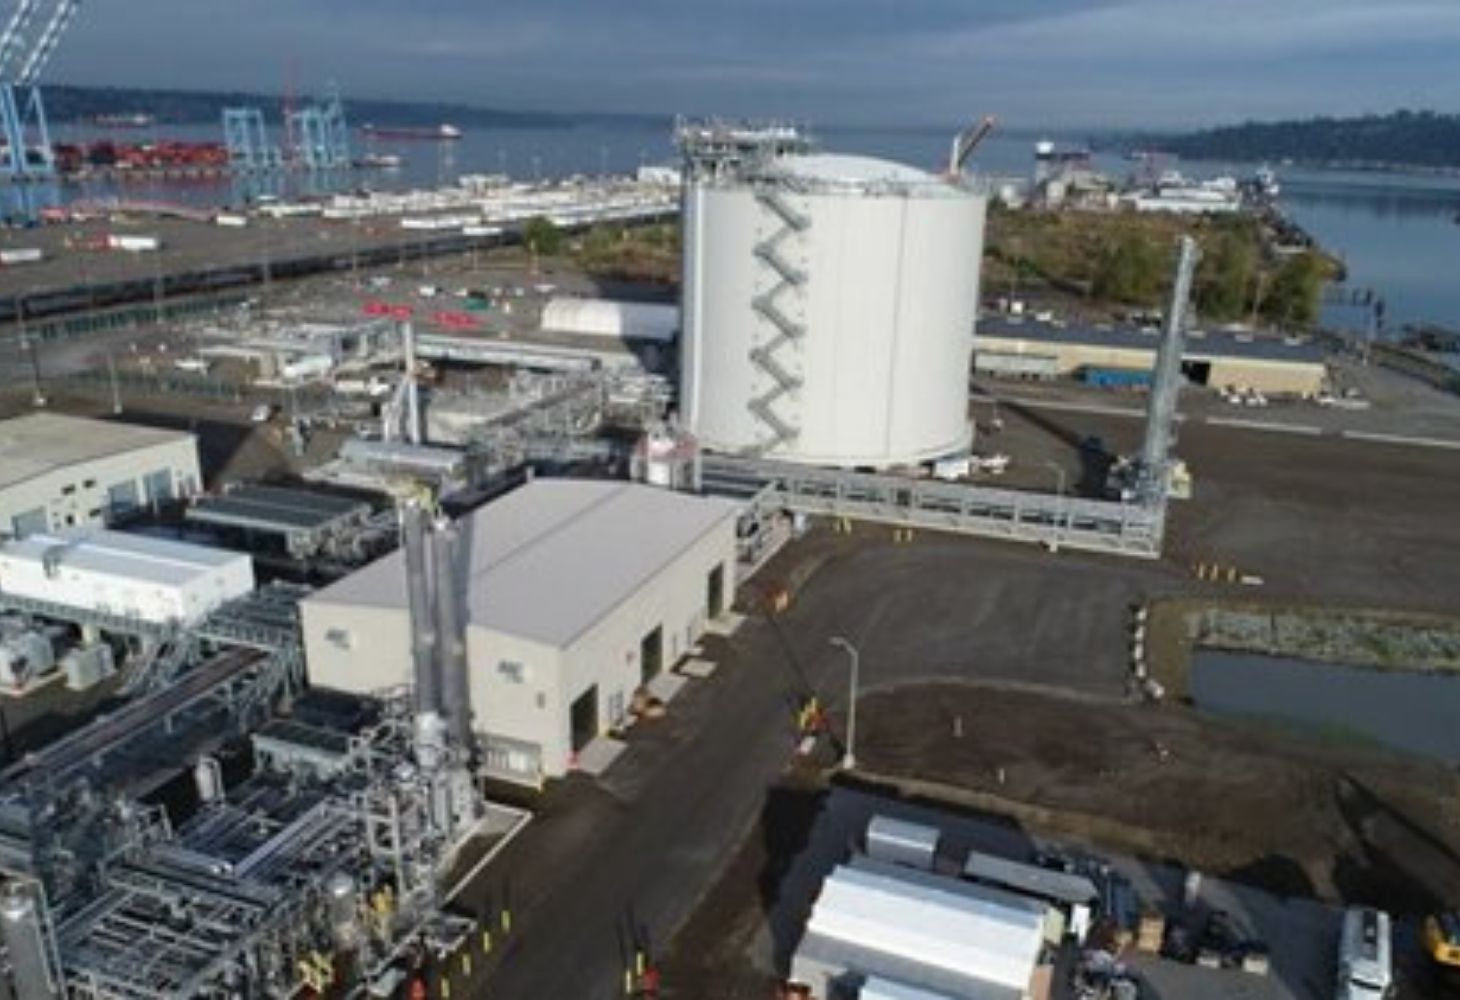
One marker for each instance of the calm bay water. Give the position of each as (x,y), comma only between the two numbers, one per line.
(1400,709)
(1396,232)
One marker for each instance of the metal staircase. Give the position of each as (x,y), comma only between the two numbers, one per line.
(769,357)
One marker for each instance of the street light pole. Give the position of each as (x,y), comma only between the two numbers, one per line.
(1061,515)
(1059,471)
(849,758)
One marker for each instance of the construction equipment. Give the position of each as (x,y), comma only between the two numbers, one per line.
(1442,938)
(965,142)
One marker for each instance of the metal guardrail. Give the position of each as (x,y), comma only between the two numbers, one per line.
(1095,525)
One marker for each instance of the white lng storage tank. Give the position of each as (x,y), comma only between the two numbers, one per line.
(829,304)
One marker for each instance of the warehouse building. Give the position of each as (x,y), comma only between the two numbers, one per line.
(58,472)
(575,595)
(131,576)
(1031,349)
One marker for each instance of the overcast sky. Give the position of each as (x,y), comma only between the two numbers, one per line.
(1035,63)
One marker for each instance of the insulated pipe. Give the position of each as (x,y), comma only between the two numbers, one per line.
(423,618)
(1166,379)
(451,648)
(413,395)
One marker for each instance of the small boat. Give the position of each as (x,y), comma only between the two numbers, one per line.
(382,161)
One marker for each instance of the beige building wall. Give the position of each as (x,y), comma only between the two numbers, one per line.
(523,690)
(1276,377)
(80,494)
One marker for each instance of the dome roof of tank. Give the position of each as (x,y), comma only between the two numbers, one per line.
(841,168)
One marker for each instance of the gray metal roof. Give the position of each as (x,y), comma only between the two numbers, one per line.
(1031,880)
(38,443)
(275,509)
(1199,344)
(552,558)
(117,553)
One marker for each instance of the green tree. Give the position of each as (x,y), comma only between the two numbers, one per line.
(1292,298)
(542,236)
(1224,280)
(1131,271)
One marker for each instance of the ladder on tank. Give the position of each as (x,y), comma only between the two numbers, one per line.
(768,356)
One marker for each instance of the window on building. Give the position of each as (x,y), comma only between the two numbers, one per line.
(339,638)
(89,484)
(512,672)
(66,491)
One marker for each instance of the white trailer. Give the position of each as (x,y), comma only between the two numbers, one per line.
(134,244)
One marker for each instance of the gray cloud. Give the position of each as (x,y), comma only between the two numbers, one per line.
(1080,62)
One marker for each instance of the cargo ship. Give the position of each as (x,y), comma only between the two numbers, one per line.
(434,133)
(134,120)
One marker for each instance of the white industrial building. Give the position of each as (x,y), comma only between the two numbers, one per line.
(647,321)
(131,576)
(911,934)
(58,471)
(828,306)
(576,594)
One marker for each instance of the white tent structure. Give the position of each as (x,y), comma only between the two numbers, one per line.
(875,921)
(611,318)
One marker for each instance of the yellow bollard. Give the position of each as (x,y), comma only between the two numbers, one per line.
(487,942)
(1231,574)
(506,921)
(445,988)
(639,963)
(628,983)
(466,963)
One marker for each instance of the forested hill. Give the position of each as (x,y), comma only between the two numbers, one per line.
(1400,139)
(71,103)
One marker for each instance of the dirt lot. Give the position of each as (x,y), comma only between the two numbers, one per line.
(1156,784)
(1331,821)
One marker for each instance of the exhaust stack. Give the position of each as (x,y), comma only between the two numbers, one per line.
(424,638)
(454,678)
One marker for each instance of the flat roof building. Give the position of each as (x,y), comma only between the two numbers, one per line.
(132,576)
(575,594)
(1268,364)
(59,471)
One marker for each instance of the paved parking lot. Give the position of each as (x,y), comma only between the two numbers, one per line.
(1301,933)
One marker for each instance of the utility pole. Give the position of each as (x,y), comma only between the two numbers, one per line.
(27,343)
(111,369)
(849,758)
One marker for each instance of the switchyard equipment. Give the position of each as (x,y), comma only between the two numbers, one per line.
(27,42)
(828,302)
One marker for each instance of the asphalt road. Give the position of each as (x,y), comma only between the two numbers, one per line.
(646,842)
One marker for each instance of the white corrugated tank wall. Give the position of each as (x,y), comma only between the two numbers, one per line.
(888,306)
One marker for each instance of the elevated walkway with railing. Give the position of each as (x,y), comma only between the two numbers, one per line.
(1109,526)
